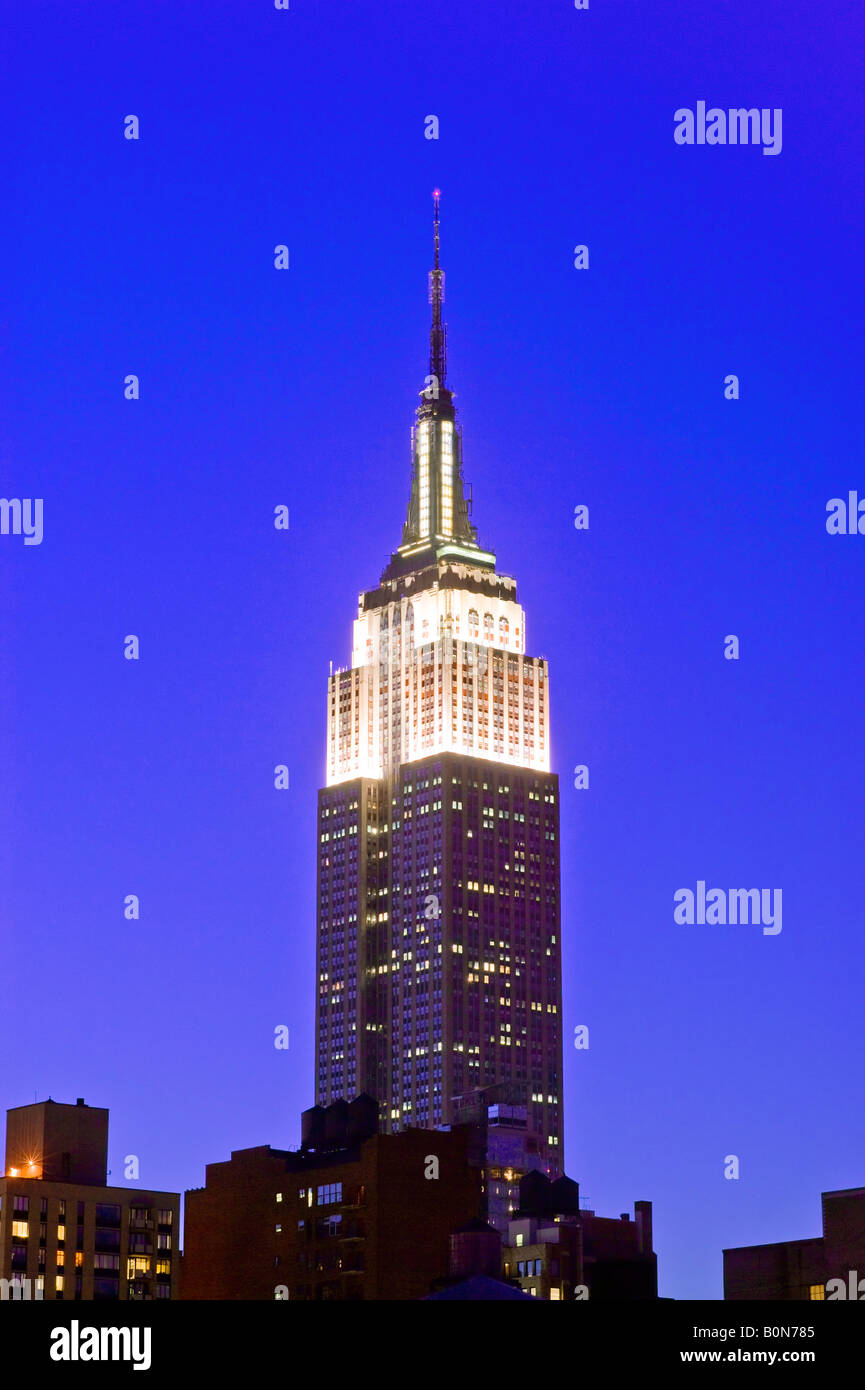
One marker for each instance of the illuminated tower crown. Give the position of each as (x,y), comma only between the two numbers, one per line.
(437,521)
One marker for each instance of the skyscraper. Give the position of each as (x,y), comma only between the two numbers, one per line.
(439,948)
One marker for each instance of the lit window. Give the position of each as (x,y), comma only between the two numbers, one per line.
(817,1292)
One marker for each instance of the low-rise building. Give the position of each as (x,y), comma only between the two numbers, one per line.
(64,1233)
(557,1251)
(353,1214)
(820,1267)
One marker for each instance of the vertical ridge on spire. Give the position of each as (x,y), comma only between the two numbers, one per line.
(438,331)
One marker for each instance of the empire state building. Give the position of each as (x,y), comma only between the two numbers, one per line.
(438,936)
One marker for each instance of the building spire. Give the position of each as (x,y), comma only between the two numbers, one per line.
(438,331)
(439,511)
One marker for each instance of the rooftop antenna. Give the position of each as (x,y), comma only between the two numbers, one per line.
(438,331)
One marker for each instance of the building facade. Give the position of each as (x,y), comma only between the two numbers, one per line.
(502,1145)
(65,1234)
(352,1215)
(557,1251)
(438,932)
(828,1267)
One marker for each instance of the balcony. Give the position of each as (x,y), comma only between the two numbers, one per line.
(353,1199)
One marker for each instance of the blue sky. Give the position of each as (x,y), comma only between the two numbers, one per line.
(603,387)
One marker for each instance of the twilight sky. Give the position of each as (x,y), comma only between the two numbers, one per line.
(603,387)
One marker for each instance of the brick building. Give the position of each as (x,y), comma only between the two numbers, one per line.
(797,1270)
(555,1249)
(353,1214)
